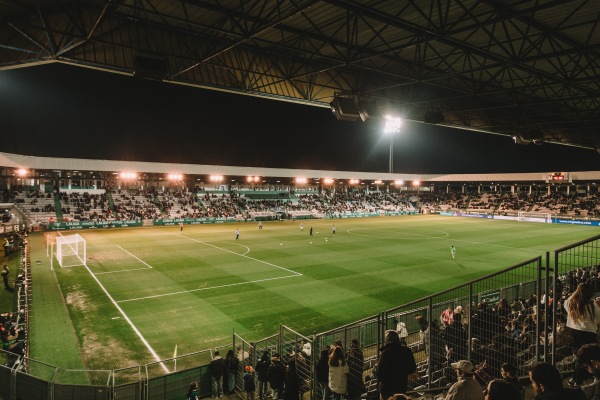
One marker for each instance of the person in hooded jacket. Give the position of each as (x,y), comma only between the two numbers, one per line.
(396,363)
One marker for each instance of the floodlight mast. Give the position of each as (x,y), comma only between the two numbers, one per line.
(392,125)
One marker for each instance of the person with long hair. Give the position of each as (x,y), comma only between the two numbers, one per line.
(192,393)
(322,375)
(583,317)
(338,373)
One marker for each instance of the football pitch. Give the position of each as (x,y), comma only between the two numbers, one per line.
(146,290)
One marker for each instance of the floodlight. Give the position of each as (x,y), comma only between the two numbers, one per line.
(378,182)
(301,181)
(392,124)
(21,172)
(216,178)
(398,182)
(128,175)
(175,177)
(251,179)
(327,181)
(354,181)
(416,183)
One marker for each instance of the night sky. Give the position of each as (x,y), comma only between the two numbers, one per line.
(64,111)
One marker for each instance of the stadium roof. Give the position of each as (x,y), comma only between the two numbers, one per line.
(527,69)
(16,161)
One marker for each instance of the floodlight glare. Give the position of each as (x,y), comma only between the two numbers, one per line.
(251,179)
(378,182)
(128,175)
(354,181)
(392,124)
(216,178)
(416,183)
(301,181)
(21,172)
(399,182)
(327,181)
(174,177)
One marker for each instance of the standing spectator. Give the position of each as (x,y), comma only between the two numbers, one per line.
(5,272)
(249,384)
(355,358)
(306,348)
(456,338)
(7,246)
(322,375)
(466,388)
(292,385)
(232,364)
(192,393)
(547,384)
(583,317)
(262,368)
(396,362)
(402,332)
(447,316)
(217,369)
(276,376)
(422,326)
(338,373)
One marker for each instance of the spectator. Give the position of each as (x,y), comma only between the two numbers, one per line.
(499,389)
(292,385)
(447,316)
(231,366)
(276,376)
(509,374)
(355,358)
(262,369)
(396,362)
(547,384)
(217,369)
(467,388)
(322,375)
(588,356)
(249,384)
(338,372)
(192,393)
(583,317)
(306,348)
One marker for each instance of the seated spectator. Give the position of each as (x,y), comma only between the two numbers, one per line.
(588,356)
(499,389)
(467,388)
(547,384)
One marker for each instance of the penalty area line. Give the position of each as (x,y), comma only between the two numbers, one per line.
(207,288)
(243,255)
(135,329)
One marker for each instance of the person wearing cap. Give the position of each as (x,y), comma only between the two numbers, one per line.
(396,363)
(547,384)
(467,388)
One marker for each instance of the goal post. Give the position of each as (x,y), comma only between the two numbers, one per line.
(535,217)
(70,250)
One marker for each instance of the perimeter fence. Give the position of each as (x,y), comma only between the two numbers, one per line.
(471,321)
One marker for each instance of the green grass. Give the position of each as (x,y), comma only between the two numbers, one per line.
(195,289)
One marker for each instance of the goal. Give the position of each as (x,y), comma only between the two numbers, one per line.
(535,217)
(70,250)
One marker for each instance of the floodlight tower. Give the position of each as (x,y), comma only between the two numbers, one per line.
(392,126)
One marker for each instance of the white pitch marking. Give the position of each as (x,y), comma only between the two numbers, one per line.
(208,288)
(137,258)
(123,270)
(135,329)
(244,255)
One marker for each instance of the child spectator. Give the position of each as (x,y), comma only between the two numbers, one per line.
(249,385)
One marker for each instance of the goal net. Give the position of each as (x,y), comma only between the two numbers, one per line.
(70,250)
(535,217)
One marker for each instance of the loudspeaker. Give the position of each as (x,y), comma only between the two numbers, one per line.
(344,109)
(149,68)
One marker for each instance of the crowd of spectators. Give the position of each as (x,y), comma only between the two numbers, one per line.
(136,204)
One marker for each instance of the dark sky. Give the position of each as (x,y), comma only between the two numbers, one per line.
(63,111)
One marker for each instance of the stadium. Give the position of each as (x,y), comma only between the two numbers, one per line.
(128,274)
